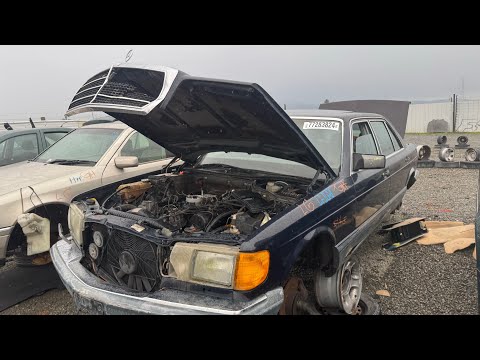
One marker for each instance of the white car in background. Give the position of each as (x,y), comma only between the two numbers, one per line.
(35,195)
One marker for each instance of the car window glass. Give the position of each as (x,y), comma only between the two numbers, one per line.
(87,144)
(143,148)
(396,142)
(363,142)
(53,137)
(25,147)
(383,138)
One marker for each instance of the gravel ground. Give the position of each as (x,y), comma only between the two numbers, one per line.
(420,279)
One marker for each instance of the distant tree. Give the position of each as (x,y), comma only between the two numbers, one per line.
(325,102)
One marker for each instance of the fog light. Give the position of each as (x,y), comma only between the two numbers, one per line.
(213,267)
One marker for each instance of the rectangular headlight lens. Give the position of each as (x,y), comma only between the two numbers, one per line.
(76,223)
(214,267)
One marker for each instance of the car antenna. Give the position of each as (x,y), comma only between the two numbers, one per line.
(31,123)
(7,126)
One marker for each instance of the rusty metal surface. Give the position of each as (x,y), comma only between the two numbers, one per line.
(294,290)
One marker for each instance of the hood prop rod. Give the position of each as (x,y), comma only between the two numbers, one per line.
(314,180)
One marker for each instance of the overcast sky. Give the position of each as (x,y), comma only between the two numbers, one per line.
(41,80)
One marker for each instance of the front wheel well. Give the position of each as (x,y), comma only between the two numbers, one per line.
(320,252)
(56,213)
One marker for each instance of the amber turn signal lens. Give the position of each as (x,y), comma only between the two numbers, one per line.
(252,269)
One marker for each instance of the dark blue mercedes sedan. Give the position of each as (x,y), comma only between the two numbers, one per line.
(251,192)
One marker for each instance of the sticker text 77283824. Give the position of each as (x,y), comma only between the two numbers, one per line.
(327,125)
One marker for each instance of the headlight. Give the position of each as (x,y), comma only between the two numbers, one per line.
(219,265)
(76,223)
(213,267)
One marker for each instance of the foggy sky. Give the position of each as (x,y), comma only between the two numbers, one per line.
(41,80)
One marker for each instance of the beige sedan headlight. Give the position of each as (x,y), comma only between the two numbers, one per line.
(76,222)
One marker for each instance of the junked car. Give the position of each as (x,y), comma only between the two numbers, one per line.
(259,191)
(19,145)
(35,195)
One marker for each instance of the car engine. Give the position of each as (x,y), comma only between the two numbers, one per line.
(190,203)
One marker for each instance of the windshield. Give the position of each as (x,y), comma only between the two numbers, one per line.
(325,135)
(81,145)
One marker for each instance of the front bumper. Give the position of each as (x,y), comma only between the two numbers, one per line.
(92,294)
(4,235)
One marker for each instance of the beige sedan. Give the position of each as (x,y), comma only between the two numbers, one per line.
(35,195)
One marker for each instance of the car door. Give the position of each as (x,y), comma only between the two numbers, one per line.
(20,148)
(371,185)
(151,157)
(394,156)
(400,163)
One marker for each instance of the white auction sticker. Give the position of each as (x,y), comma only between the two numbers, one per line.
(328,125)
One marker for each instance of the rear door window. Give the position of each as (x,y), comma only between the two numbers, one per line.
(397,144)
(383,137)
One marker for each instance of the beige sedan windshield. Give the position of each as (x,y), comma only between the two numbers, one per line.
(81,145)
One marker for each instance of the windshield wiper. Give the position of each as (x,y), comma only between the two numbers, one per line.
(69,162)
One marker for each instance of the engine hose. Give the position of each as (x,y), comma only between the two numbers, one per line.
(219,229)
(135,217)
(218,218)
(125,207)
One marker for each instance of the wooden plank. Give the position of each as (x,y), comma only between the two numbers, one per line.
(458,244)
(442,224)
(442,235)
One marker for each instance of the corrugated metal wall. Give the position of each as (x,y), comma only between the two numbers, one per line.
(420,115)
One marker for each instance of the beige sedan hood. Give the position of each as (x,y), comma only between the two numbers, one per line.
(16,176)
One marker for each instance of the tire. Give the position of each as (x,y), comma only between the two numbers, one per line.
(368,305)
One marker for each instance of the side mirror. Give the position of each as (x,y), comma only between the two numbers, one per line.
(361,161)
(123,162)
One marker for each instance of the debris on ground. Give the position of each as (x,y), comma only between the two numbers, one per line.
(404,232)
(458,244)
(383,293)
(442,224)
(454,235)
(443,234)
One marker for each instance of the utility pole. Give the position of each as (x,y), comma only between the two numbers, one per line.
(454,114)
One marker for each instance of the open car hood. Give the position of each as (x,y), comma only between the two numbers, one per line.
(191,116)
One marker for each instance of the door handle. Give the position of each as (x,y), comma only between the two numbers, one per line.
(407,159)
(386,173)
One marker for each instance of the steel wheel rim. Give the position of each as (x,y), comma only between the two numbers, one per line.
(350,286)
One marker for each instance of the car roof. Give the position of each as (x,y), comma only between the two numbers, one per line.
(109,125)
(341,114)
(14,132)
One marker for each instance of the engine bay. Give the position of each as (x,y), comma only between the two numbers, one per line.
(197,203)
(183,207)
